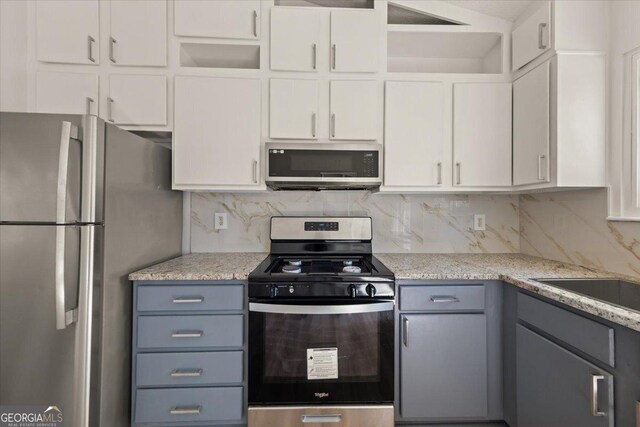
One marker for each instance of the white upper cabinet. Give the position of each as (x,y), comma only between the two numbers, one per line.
(354,41)
(531,126)
(66,93)
(353,110)
(295,39)
(482,134)
(230,19)
(293,109)
(137,100)
(216,140)
(138,33)
(67,31)
(413,134)
(532,37)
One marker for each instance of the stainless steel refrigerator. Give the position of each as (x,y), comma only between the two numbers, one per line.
(82,204)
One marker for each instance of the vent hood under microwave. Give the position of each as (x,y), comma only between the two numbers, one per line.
(323,166)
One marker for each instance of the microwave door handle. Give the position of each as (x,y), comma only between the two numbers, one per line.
(338,174)
(320,309)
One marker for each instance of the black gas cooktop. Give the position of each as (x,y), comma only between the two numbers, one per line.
(615,291)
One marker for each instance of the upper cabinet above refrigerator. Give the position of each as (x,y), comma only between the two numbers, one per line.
(229,19)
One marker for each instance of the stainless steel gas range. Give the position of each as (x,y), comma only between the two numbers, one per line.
(321,327)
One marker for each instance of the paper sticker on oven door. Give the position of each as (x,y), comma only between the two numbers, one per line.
(322,363)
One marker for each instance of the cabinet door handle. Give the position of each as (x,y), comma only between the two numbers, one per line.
(90,42)
(541,174)
(333,125)
(458,173)
(333,56)
(186,410)
(112,48)
(314,58)
(313,125)
(188,300)
(439,173)
(255,23)
(541,27)
(186,372)
(89,104)
(187,334)
(594,396)
(405,331)
(444,298)
(110,109)
(255,171)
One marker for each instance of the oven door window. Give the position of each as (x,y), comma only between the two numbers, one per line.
(331,355)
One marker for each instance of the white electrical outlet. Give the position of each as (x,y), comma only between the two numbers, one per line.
(220,221)
(479,222)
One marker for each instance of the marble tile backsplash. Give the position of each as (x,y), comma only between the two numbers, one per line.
(571,226)
(401,223)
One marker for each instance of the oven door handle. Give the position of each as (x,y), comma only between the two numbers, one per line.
(321,309)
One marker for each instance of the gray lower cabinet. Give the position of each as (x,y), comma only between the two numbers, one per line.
(189,354)
(443,366)
(556,388)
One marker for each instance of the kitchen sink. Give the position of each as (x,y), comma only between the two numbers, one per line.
(614,291)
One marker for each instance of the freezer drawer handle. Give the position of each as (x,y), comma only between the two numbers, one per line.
(63,318)
(186,372)
(188,300)
(186,410)
(317,419)
(444,298)
(187,334)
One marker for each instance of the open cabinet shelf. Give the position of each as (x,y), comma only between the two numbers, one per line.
(412,49)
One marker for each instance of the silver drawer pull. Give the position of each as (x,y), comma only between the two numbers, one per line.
(444,298)
(187,334)
(594,396)
(186,372)
(186,410)
(188,300)
(317,419)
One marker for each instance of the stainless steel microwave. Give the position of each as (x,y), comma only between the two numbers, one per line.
(323,166)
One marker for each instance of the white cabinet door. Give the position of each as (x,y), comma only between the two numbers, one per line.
(137,99)
(231,19)
(531,127)
(68,93)
(216,139)
(532,37)
(354,110)
(293,109)
(138,32)
(354,40)
(67,31)
(482,134)
(295,39)
(413,133)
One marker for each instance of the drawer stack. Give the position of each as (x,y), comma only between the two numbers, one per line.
(188,354)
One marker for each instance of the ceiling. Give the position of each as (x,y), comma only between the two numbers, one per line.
(505,9)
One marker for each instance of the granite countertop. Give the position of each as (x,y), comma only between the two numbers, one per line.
(516,269)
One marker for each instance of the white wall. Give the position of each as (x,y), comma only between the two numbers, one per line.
(13,55)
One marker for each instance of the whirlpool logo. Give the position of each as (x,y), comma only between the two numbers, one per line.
(321,395)
(31,416)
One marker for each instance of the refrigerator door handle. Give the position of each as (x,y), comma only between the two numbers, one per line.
(63,318)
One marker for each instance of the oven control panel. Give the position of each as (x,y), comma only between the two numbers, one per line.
(322,289)
(321,226)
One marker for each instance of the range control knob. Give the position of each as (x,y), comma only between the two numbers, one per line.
(353,291)
(273,291)
(371,290)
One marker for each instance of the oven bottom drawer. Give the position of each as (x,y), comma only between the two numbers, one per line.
(189,404)
(321,416)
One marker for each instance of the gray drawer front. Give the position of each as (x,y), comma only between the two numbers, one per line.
(186,297)
(177,369)
(584,334)
(442,298)
(190,331)
(215,404)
